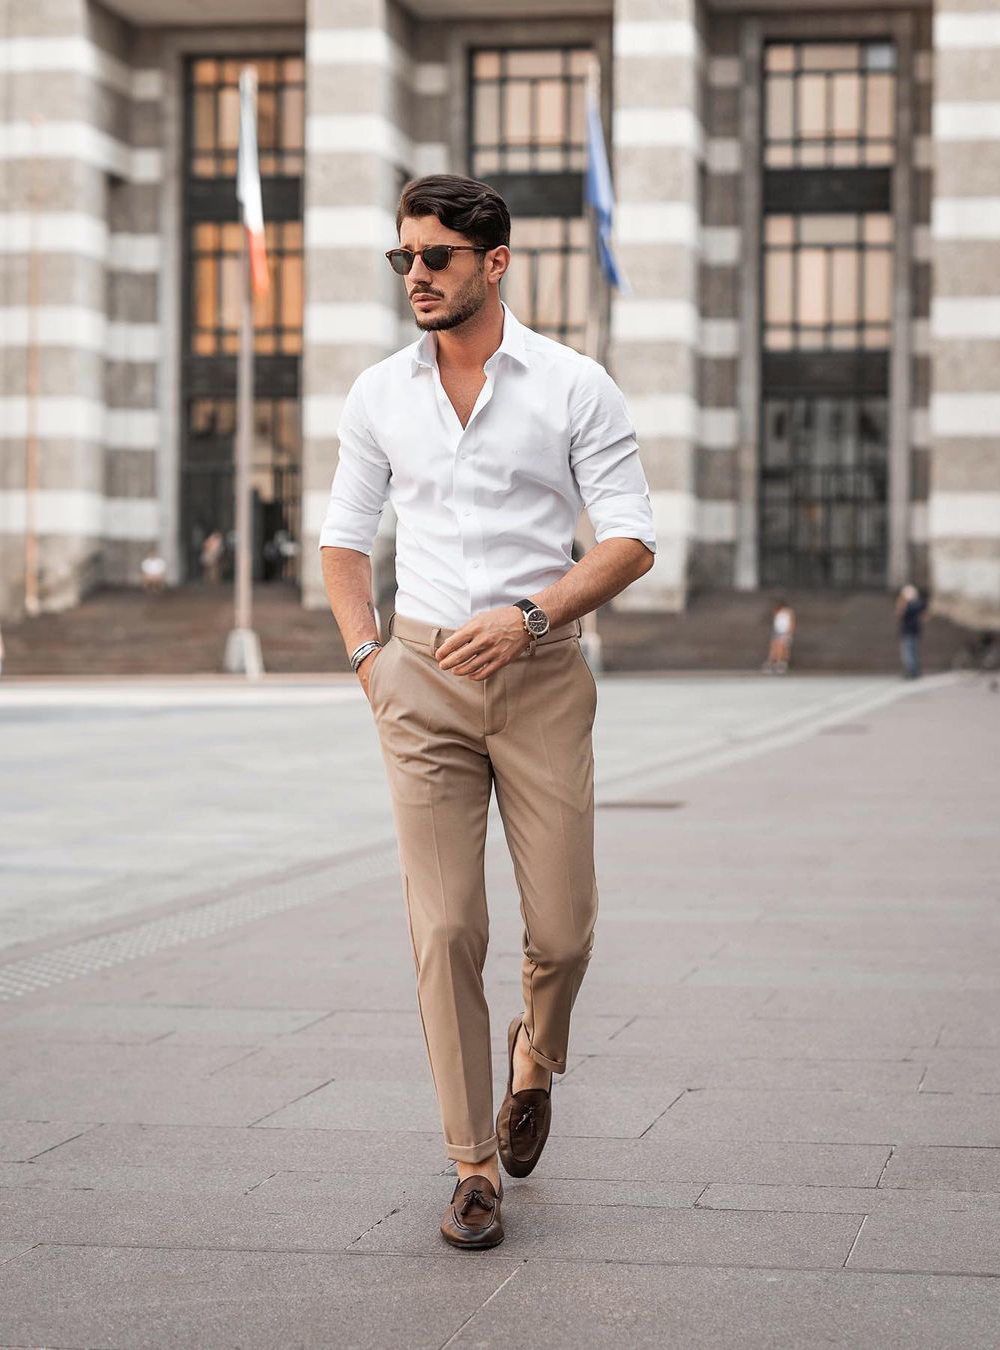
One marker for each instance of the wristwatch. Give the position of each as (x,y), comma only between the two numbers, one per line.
(536,621)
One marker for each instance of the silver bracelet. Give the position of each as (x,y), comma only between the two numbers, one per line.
(359,653)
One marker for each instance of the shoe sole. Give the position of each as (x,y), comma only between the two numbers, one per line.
(473,1246)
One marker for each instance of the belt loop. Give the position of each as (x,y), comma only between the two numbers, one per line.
(392,620)
(434,641)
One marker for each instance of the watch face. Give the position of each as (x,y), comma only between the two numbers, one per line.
(538,622)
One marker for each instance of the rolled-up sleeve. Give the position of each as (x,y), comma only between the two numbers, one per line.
(360,483)
(604,457)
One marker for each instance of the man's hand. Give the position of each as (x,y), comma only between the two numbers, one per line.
(485,644)
(364,671)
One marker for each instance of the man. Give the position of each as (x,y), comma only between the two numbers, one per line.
(910,606)
(489,439)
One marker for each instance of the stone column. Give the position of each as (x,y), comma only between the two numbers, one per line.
(964,508)
(658,147)
(358,154)
(61,89)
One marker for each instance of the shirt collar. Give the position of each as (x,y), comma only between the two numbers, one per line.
(424,351)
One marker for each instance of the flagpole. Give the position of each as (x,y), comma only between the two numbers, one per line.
(244,438)
(243,654)
(590,638)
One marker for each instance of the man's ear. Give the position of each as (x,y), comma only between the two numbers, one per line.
(497,262)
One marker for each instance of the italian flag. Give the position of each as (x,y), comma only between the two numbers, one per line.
(248,183)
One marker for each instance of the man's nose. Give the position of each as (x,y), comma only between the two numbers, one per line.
(419,271)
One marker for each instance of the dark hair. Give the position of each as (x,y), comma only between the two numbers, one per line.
(465,205)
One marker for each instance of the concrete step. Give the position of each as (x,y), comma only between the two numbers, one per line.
(126,632)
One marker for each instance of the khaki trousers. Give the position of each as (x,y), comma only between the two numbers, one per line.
(447,742)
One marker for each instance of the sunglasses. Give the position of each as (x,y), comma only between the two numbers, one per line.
(436,258)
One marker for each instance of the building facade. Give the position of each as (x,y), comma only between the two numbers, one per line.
(807,213)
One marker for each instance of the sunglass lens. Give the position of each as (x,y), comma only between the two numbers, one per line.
(438,258)
(401,260)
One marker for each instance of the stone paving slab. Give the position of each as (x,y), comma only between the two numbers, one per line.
(919,1205)
(649,1307)
(354,1151)
(960,1169)
(833,1117)
(964,1244)
(155,1299)
(609,1071)
(350,1205)
(157,1179)
(627,1233)
(122,1022)
(758,1039)
(24,1139)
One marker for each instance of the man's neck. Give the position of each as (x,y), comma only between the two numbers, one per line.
(471,345)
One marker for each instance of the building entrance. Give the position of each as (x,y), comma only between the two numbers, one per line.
(212,266)
(828,147)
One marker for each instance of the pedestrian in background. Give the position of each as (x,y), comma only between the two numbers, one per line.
(782,631)
(211,558)
(910,607)
(154,571)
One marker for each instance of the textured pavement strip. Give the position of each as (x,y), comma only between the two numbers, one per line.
(69,961)
(736,1224)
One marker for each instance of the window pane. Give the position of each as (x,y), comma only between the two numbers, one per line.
(878,229)
(779,109)
(203,119)
(812,105)
(292,118)
(778,287)
(844,286)
(229,117)
(536,62)
(880,111)
(550,112)
(205,277)
(779,229)
(878,286)
(486,117)
(830,56)
(811,298)
(517,114)
(779,58)
(266,118)
(846,105)
(839,229)
(486,65)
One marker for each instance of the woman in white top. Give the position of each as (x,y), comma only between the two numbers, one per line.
(782,632)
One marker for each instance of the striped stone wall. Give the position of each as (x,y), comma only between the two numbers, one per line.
(712,560)
(964,510)
(920,294)
(359,148)
(72,183)
(658,138)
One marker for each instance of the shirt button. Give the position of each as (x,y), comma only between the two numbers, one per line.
(466,512)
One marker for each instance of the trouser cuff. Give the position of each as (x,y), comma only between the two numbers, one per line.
(473,1153)
(556,1065)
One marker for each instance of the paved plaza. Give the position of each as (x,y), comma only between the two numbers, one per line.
(780,1125)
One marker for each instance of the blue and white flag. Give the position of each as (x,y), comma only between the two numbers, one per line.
(599,194)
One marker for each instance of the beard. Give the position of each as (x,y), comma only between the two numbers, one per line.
(466,304)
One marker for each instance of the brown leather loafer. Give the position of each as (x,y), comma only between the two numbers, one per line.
(472,1219)
(524,1118)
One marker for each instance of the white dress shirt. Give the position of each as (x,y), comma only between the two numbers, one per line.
(486,514)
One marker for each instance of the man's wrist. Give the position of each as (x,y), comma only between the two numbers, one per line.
(362,651)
